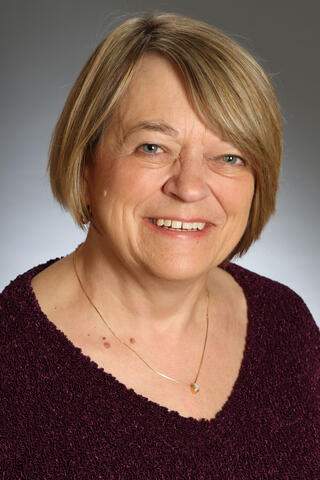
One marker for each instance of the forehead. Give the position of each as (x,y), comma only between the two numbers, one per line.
(157,97)
(155,91)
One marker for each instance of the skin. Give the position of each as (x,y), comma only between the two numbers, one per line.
(156,282)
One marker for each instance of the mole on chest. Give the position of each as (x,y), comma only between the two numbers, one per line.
(107,344)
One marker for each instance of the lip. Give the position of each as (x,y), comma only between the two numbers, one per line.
(179,234)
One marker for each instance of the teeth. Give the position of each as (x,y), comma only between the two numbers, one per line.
(176,224)
(187,226)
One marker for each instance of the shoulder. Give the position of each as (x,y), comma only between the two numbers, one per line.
(18,302)
(281,313)
(264,290)
(254,281)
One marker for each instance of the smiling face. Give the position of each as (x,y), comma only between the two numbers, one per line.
(157,162)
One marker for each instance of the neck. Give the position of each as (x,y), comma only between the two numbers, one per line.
(139,302)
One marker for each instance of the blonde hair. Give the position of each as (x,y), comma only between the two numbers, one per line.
(227,88)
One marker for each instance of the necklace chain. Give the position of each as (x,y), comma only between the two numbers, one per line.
(193,386)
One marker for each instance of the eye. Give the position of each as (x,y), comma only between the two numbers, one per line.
(150,148)
(232,160)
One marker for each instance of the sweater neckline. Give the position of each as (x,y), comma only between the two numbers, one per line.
(233,402)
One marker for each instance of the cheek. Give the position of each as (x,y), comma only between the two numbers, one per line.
(132,184)
(238,197)
(97,184)
(249,190)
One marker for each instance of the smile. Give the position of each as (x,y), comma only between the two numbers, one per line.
(177,225)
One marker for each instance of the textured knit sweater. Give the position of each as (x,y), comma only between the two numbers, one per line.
(63,417)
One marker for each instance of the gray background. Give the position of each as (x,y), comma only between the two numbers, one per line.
(43,46)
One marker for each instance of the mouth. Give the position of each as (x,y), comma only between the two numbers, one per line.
(178,225)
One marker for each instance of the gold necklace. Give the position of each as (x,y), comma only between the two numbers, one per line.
(194,387)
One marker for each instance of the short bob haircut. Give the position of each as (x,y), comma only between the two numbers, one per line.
(226,87)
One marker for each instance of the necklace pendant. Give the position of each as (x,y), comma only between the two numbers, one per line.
(194,388)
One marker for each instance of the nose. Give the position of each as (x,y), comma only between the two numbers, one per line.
(187,181)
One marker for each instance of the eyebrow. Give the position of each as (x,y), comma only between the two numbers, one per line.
(149,125)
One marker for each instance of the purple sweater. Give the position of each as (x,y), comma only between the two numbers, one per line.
(63,417)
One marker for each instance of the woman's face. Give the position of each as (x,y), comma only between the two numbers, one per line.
(158,162)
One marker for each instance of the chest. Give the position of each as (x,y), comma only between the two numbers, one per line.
(135,367)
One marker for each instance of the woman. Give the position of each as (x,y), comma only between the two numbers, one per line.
(146,353)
